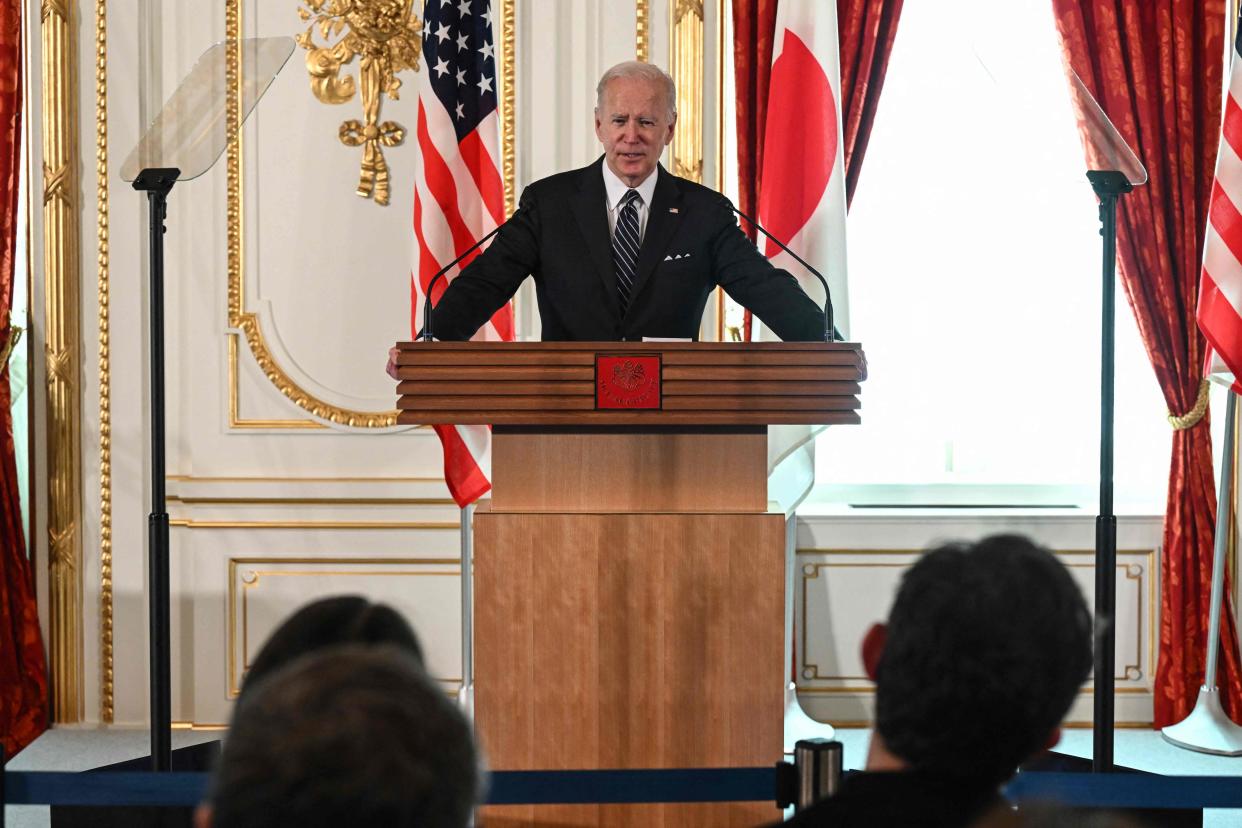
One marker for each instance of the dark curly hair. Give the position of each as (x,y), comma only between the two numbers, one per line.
(987,646)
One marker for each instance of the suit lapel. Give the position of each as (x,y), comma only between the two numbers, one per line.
(662,220)
(592,217)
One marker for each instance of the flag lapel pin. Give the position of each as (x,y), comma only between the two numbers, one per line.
(672,209)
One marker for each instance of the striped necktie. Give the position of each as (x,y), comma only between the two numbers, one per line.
(625,244)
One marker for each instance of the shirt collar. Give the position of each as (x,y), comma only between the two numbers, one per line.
(616,188)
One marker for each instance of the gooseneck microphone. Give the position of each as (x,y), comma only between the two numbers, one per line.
(830,330)
(427,308)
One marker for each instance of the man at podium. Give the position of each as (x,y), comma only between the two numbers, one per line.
(622,249)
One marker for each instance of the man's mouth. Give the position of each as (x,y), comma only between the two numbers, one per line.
(632,156)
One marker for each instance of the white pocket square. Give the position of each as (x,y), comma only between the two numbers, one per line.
(673,258)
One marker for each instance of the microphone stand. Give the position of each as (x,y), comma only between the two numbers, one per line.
(830,330)
(427,308)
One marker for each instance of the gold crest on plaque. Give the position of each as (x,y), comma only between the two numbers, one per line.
(386,37)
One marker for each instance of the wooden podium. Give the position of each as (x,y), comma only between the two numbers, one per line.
(629,578)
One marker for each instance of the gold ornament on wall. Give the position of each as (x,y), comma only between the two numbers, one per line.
(386,37)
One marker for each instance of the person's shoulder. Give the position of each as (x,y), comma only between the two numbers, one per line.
(562,182)
(692,189)
(695,195)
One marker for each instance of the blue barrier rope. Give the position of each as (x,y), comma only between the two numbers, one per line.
(632,786)
(569,787)
(1120,790)
(144,788)
(1126,790)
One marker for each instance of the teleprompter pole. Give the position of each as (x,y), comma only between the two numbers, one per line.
(157,183)
(1109,185)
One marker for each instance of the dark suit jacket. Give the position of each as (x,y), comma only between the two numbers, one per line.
(910,799)
(559,235)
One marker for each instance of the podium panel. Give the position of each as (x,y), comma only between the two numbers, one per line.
(629,585)
(642,640)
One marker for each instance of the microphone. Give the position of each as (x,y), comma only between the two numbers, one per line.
(830,330)
(426,335)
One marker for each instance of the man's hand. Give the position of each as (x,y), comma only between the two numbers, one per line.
(392,363)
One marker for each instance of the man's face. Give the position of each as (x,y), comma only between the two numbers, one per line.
(634,126)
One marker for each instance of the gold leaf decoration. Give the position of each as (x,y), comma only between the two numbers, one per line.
(386,37)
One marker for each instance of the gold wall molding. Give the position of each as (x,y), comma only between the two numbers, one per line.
(262,423)
(388,40)
(1134,570)
(238,641)
(190,478)
(62,277)
(246,321)
(686,60)
(313,501)
(107,686)
(190,523)
(642,37)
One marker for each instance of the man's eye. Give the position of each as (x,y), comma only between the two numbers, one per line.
(647,123)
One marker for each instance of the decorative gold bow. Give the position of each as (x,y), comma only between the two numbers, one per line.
(373,178)
(386,36)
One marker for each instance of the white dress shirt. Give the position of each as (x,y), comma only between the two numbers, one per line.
(615,189)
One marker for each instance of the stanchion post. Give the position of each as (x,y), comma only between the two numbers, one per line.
(818,765)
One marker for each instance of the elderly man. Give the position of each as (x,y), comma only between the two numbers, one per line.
(621,249)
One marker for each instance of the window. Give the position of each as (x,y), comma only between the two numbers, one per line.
(975,283)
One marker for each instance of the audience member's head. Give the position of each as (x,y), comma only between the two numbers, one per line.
(351,735)
(344,619)
(984,650)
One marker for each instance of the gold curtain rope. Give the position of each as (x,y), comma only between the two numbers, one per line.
(6,350)
(1192,417)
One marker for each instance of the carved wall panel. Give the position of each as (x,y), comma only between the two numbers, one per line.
(841,591)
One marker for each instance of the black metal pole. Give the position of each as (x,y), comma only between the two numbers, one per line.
(1108,185)
(157,183)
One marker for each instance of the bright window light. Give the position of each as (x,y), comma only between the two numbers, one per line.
(975,261)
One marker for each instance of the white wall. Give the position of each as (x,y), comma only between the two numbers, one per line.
(272,505)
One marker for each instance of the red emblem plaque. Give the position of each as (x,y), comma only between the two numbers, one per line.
(627,381)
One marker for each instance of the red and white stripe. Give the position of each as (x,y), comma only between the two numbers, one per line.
(458,197)
(1220,288)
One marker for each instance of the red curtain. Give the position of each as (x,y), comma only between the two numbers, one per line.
(23,671)
(1156,68)
(754,26)
(865,29)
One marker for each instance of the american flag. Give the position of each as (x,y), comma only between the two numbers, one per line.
(1220,286)
(458,192)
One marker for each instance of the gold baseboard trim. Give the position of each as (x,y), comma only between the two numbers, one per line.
(309,524)
(1074,725)
(314,501)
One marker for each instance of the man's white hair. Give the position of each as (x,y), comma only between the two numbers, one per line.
(645,71)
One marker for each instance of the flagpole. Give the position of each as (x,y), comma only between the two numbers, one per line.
(465,696)
(1207,729)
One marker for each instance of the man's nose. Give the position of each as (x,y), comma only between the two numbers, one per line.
(630,133)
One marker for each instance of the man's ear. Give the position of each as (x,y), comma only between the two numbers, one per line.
(202,816)
(873,647)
